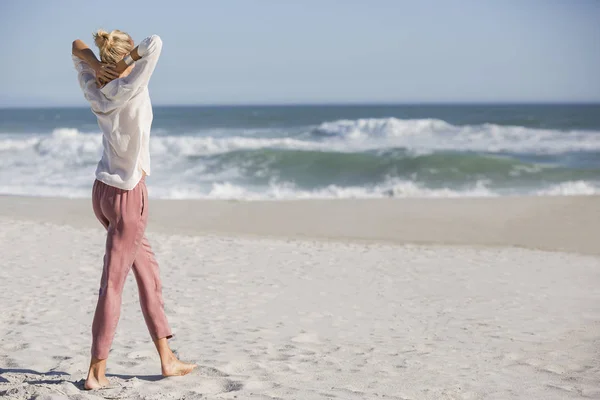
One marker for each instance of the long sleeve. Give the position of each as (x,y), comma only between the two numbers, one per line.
(85,73)
(123,89)
(87,81)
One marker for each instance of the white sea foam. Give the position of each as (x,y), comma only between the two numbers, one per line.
(433,134)
(203,146)
(571,188)
(286,191)
(392,188)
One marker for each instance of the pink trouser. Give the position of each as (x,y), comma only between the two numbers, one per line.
(124,214)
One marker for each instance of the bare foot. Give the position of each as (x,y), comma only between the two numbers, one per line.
(93,382)
(96,378)
(174,367)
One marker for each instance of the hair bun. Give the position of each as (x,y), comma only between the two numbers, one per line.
(113,45)
(102,38)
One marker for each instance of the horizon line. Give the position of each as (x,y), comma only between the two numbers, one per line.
(334,104)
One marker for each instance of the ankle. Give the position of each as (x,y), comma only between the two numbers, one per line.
(96,373)
(97,367)
(167,357)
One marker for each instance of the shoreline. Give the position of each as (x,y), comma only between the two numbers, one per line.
(562,223)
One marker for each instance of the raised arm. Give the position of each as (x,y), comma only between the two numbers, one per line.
(145,57)
(104,72)
(122,65)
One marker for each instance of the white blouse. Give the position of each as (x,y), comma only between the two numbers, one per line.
(124,115)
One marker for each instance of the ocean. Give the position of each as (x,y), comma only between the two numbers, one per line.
(303,152)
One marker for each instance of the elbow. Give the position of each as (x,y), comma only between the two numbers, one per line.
(152,44)
(157,41)
(74,46)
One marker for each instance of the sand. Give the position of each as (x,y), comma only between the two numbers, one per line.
(568,223)
(382,299)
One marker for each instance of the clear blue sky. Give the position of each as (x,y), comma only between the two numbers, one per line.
(316,51)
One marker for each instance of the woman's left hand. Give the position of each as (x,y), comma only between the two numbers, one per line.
(105,73)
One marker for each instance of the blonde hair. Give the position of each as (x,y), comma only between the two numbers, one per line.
(113,46)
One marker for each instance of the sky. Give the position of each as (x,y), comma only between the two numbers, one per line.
(316,51)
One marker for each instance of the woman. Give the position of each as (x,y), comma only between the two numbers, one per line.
(117,90)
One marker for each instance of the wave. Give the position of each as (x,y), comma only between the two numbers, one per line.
(288,159)
(339,159)
(309,169)
(419,136)
(434,135)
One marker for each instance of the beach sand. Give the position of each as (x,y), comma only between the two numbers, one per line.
(344,299)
